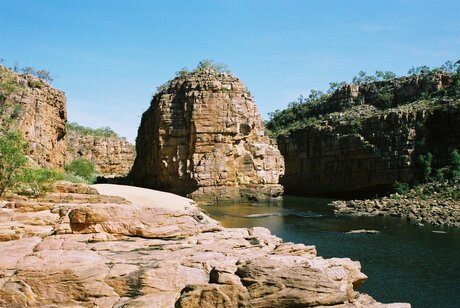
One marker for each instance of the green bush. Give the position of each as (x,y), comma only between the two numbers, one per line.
(386,97)
(36,84)
(455,164)
(35,182)
(12,159)
(424,162)
(82,168)
(401,187)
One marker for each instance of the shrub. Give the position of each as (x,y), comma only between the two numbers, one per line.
(455,164)
(401,188)
(35,182)
(83,168)
(424,162)
(12,158)
(36,84)
(386,97)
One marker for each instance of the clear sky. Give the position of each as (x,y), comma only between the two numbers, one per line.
(109,56)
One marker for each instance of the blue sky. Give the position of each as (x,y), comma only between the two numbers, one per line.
(109,56)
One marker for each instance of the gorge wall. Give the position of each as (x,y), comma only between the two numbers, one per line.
(38,111)
(110,155)
(203,136)
(371,136)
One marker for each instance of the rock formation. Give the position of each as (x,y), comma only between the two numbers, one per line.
(32,106)
(36,109)
(121,255)
(110,155)
(371,135)
(203,136)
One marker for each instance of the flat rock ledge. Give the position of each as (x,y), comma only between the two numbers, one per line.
(126,255)
(441,212)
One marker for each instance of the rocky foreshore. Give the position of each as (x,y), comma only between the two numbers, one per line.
(76,248)
(443,212)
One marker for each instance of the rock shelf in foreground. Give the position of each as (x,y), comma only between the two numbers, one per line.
(124,255)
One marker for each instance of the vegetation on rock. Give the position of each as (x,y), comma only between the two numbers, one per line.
(82,168)
(318,106)
(204,66)
(12,159)
(83,130)
(18,176)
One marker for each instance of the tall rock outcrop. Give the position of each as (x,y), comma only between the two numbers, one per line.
(110,155)
(203,136)
(370,136)
(32,106)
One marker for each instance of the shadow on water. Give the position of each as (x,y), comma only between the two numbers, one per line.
(404,262)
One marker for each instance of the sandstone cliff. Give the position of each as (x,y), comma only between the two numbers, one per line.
(110,155)
(363,138)
(203,136)
(33,107)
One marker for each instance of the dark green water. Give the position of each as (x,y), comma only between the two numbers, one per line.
(404,262)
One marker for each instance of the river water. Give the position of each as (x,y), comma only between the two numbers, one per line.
(404,262)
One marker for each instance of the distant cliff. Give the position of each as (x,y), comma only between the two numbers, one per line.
(111,155)
(361,139)
(35,108)
(203,136)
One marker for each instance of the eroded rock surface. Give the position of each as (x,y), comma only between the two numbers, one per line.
(110,155)
(122,255)
(371,135)
(203,136)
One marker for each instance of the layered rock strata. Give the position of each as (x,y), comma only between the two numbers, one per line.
(110,155)
(38,111)
(203,137)
(363,146)
(122,255)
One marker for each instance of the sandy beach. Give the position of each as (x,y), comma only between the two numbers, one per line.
(144,196)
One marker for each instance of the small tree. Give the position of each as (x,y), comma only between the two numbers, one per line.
(28,70)
(12,158)
(419,70)
(45,75)
(386,75)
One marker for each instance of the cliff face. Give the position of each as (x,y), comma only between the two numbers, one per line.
(374,137)
(110,155)
(38,111)
(203,136)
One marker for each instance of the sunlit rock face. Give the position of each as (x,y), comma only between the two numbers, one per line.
(37,110)
(204,137)
(110,155)
(371,136)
